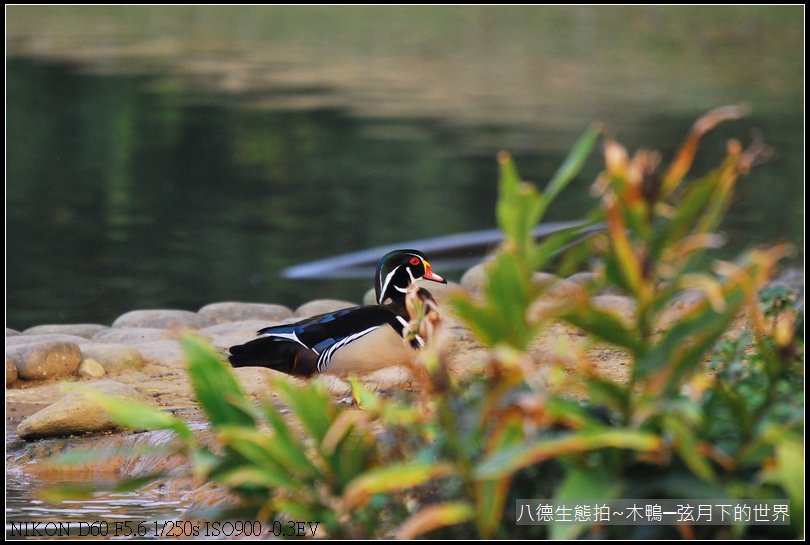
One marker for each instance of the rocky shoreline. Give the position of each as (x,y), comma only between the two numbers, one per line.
(138,356)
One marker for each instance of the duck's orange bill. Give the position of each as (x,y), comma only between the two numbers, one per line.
(430,275)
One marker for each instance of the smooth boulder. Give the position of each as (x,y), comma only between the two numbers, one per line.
(321,306)
(162,319)
(231,311)
(44,360)
(113,358)
(75,412)
(11,372)
(90,368)
(79,330)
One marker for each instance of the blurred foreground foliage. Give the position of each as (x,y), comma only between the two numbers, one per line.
(712,406)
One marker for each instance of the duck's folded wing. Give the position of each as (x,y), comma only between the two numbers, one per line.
(322,331)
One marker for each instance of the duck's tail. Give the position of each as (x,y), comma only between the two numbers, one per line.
(282,355)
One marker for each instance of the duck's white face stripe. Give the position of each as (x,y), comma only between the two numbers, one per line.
(389,276)
(326,356)
(384,287)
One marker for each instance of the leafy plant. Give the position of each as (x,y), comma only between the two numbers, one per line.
(708,409)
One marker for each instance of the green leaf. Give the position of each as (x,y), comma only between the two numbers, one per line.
(583,484)
(393,477)
(216,388)
(788,469)
(685,345)
(511,459)
(253,476)
(486,323)
(389,410)
(286,447)
(62,492)
(434,517)
(573,163)
(688,447)
(311,404)
(261,449)
(605,391)
(605,326)
(137,415)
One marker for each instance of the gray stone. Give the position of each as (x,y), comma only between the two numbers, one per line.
(474,278)
(79,330)
(45,337)
(242,326)
(76,412)
(162,318)
(618,304)
(11,372)
(321,306)
(558,288)
(113,358)
(583,278)
(167,352)
(42,360)
(90,368)
(256,381)
(11,332)
(370,297)
(131,335)
(233,311)
(223,336)
(542,278)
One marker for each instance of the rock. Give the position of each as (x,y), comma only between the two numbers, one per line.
(256,381)
(561,288)
(76,412)
(90,368)
(679,307)
(49,359)
(162,318)
(79,330)
(131,335)
(474,278)
(113,358)
(321,306)
(618,304)
(242,326)
(164,352)
(370,297)
(583,278)
(11,372)
(11,332)
(232,312)
(223,336)
(45,337)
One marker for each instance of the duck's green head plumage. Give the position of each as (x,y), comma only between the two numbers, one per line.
(397,270)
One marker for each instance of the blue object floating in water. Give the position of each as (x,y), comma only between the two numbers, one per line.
(449,252)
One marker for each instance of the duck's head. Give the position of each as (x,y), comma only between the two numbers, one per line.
(397,270)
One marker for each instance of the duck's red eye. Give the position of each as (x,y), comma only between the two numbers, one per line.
(415,261)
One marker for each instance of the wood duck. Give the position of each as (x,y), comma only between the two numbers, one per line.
(352,340)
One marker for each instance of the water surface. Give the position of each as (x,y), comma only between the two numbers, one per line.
(173,157)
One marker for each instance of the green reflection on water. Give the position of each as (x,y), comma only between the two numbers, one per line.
(172,157)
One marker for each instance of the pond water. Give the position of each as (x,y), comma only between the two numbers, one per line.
(173,157)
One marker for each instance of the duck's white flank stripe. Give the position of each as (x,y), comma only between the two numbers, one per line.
(323,359)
